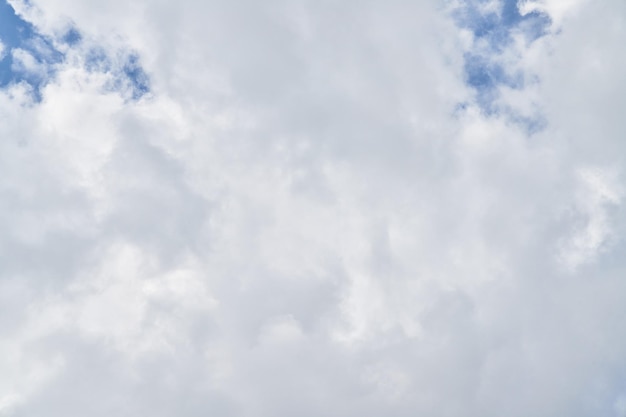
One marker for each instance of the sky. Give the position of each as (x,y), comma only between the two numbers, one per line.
(312,208)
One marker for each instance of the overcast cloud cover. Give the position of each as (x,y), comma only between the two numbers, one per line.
(312,208)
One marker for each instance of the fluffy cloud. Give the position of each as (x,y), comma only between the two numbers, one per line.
(309,208)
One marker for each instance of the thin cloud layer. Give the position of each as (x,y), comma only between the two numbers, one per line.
(315,208)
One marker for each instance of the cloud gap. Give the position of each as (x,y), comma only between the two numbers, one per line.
(494,26)
(30,57)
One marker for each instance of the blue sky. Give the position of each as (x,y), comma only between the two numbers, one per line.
(18,34)
(496,27)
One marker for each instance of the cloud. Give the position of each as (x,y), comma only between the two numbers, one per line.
(306,208)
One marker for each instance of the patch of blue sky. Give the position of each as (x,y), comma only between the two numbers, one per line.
(493,24)
(13,33)
(128,76)
(138,81)
(484,73)
(29,57)
(533,25)
(72,37)
(496,25)
(97,60)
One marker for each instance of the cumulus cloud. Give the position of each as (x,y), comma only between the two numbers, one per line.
(313,208)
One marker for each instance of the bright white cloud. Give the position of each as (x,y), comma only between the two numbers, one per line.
(310,214)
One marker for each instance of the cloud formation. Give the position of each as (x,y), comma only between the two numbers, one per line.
(313,208)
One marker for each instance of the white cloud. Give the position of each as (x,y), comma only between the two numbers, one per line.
(600,191)
(299,219)
(556,9)
(25,62)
